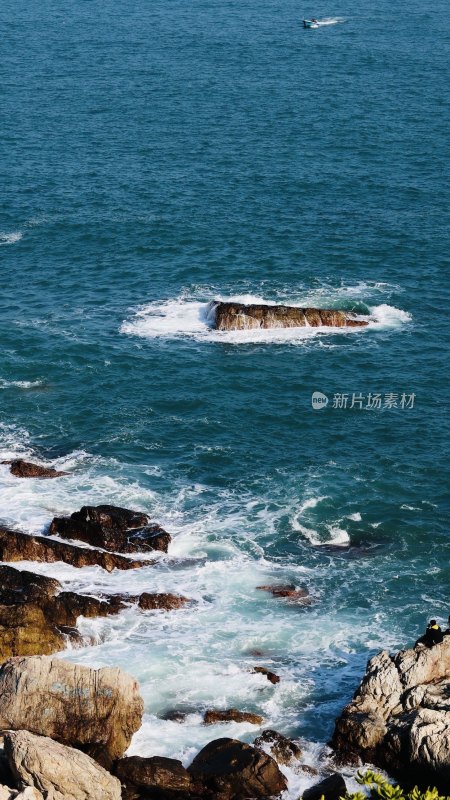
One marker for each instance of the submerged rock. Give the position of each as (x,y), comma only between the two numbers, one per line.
(17,546)
(164,601)
(62,773)
(281,748)
(271,676)
(112,528)
(97,711)
(157,777)
(399,718)
(231,715)
(233,770)
(25,469)
(290,592)
(238,316)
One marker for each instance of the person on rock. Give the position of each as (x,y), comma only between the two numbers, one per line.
(447,630)
(433,635)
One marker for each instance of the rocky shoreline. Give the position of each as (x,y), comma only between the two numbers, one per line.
(66,727)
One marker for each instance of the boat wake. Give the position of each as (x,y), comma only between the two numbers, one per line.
(330,21)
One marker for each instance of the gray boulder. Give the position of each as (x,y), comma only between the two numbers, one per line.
(57,771)
(399,718)
(95,710)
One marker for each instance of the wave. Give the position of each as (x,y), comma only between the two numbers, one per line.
(4,384)
(183,317)
(10,238)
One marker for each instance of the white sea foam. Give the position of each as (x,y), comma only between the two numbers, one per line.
(202,656)
(191,318)
(4,384)
(10,238)
(330,21)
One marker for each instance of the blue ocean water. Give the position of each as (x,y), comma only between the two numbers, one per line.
(156,156)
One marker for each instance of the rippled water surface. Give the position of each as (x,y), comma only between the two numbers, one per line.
(156,156)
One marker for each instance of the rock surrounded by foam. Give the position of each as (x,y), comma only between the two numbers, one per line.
(26,469)
(17,546)
(399,718)
(229,316)
(112,528)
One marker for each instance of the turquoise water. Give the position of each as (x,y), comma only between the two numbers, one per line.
(156,156)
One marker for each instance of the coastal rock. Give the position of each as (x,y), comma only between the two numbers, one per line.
(233,770)
(164,601)
(27,623)
(238,316)
(280,747)
(97,711)
(59,772)
(331,788)
(37,618)
(231,715)
(157,777)
(17,546)
(112,528)
(399,718)
(290,592)
(25,469)
(271,676)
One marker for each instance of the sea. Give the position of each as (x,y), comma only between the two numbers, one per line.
(156,156)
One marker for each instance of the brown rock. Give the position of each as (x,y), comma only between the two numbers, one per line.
(157,777)
(36,617)
(62,773)
(232,770)
(17,546)
(271,676)
(97,711)
(112,528)
(290,592)
(281,748)
(165,601)
(331,788)
(25,469)
(238,316)
(231,715)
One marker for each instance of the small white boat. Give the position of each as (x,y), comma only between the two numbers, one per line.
(310,23)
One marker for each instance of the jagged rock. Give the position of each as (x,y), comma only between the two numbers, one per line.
(112,528)
(231,715)
(60,772)
(399,717)
(7,794)
(331,788)
(233,770)
(238,316)
(290,592)
(281,748)
(271,676)
(36,618)
(97,711)
(157,777)
(25,469)
(164,601)
(17,546)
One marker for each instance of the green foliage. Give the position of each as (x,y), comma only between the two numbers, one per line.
(381,789)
